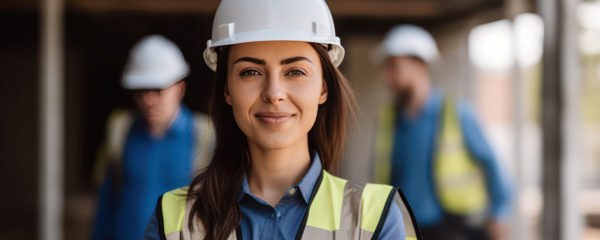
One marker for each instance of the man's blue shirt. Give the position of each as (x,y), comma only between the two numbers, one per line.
(412,157)
(262,221)
(149,167)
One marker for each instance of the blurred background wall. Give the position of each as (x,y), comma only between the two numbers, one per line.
(491,54)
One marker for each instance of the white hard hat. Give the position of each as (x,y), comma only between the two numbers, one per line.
(154,63)
(410,40)
(241,21)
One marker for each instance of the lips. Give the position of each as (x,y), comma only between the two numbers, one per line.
(274,117)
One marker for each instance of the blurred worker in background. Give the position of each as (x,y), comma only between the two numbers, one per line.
(435,146)
(151,152)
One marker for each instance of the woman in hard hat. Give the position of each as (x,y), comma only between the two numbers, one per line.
(280,108)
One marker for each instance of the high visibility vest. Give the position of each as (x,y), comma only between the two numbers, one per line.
(384,144)
(460,184)
(337,210)
(119,123)
(459,181)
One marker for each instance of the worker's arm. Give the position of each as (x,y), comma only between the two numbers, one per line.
(498,186)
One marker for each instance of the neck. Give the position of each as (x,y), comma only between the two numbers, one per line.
(418,99)
(158,130)
(273,171)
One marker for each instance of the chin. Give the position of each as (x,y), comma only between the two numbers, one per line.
(274,142)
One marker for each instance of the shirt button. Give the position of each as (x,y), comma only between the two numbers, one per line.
(278,214)
(292,191)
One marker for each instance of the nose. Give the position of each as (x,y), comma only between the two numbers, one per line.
(274,90)
(149,98)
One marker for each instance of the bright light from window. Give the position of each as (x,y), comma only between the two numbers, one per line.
(589,42)
(529,30)
(588,14)
(491,45)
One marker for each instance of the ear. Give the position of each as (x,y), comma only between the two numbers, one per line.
(324,92)
(226,95)
(181,85)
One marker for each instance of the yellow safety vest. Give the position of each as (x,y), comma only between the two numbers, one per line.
(119,124)
(337,210)
(460,183)
(384,143)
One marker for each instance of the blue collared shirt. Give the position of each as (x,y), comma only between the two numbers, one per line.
(262,221)
(149,167)
(414,143)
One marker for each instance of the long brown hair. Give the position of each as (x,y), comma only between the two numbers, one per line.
(215,189)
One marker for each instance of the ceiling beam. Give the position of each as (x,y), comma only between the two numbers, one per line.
(151,6)
(374,9)
(339,8)
(20,4)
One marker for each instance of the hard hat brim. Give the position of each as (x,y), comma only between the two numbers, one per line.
(336,51)
(135,81)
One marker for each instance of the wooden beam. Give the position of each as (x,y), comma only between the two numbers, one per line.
(339,8)
(20,5)
(386,8)
(152,6)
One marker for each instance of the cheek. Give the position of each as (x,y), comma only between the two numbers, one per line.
(170,100)
(242,96)
(306,100)
(241,109)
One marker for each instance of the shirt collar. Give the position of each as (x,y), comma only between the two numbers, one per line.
(306,185)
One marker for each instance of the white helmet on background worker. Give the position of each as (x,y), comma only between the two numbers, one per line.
(154,63)
(410,40)
(241,21)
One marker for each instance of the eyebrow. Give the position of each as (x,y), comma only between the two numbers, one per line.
(294,59)
(262,62)
(250,59)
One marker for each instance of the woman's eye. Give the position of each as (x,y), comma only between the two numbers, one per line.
(295,72)
(250,72)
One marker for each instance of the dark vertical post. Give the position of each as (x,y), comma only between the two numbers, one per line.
(551,117)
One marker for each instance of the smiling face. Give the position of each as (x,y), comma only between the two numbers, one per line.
(275,89)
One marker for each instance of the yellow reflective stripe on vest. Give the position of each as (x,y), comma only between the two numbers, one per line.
(326,208)
(374,197)
(459,180)
(173,210)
